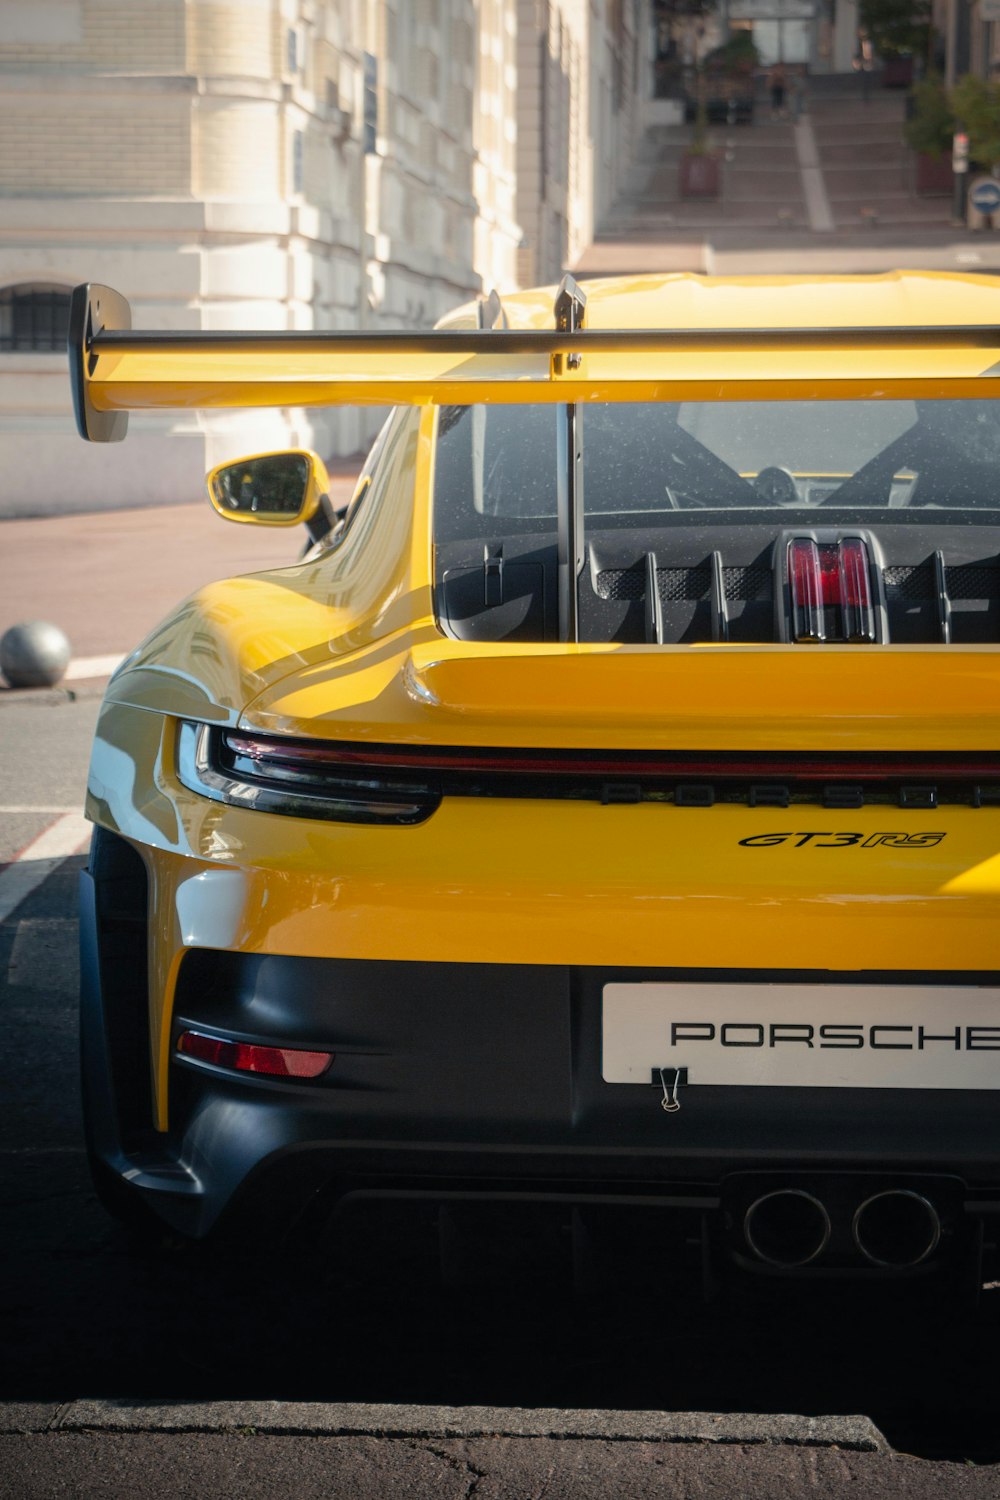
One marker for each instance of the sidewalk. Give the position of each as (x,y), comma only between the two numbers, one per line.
(106,579)
(777,252)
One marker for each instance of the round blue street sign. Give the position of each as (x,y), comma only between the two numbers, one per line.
(984,195)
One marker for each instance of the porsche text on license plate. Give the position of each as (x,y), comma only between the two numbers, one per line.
(816,1035)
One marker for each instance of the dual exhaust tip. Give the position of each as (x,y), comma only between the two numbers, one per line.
(895,1230)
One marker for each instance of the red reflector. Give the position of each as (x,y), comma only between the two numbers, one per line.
(248,1057)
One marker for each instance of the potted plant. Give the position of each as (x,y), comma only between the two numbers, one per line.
(700,172)
(928,132)
(729,79)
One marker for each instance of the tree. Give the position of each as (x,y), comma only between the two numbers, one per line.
(897,28)
(931,125)
(976,106)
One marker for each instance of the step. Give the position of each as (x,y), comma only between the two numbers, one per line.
(877,153)
(871,182)
(767,158)
(857,139)
(778,195)
(875,109)
(849,213)
(702,213)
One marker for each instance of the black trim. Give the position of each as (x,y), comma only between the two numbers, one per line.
(547,341)
(490,312)
(115,1035)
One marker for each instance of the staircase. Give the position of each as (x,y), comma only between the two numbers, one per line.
(867,168)
(851,158)
(761,182)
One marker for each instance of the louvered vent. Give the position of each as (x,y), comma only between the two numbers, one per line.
(676,584)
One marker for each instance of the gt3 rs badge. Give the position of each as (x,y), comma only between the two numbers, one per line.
(823,840)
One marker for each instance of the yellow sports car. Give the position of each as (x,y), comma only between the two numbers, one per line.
(605,812)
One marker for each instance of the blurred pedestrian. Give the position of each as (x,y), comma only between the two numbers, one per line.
(776,81)
(798,88)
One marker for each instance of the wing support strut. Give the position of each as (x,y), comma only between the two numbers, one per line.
(570,310)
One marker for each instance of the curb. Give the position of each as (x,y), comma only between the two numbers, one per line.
(307,1418)
(52,697)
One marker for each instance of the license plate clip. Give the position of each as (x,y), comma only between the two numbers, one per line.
(670,1080)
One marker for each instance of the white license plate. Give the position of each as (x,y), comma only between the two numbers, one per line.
(884,1036)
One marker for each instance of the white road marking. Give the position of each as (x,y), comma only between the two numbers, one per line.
(82,667)
(68,835)
(32,807)
(811,173)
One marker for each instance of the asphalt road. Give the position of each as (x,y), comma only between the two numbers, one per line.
(86,1311)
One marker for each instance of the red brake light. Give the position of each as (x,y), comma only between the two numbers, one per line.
(856,590)
(249,1057)
(830,588)
(805,577)
(830,575)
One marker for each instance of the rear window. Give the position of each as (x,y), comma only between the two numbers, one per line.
(651,463)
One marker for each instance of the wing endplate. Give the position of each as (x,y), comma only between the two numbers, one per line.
(94,310)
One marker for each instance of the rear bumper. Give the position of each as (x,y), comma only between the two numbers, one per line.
(473,1080)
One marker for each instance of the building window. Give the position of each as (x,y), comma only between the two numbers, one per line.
(371,104)
(295,49)
(298,162)
(33,317)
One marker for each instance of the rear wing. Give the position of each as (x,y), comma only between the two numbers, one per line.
(116,369)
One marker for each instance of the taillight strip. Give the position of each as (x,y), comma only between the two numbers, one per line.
(807,766)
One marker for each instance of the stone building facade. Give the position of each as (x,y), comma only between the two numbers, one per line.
(280,164)
(238,164)
(581,75)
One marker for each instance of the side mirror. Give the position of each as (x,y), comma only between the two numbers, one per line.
(270,489)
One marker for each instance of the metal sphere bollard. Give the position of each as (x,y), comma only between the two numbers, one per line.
(34,654)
